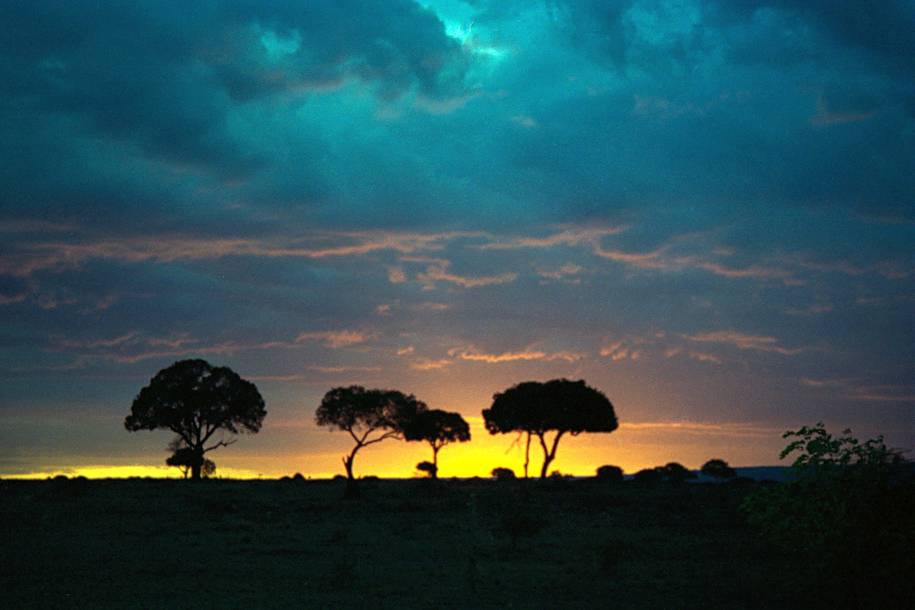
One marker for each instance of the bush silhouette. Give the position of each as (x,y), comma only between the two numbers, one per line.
(612,474)
(185,459)
(428,469)
(648,476)
(675,472)
(560,406)
(503,474)
(718,469)
(196,400)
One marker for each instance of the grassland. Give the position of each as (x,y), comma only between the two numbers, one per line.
(401,544)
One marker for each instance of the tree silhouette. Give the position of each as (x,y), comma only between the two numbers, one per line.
(438,428)
(560,405)
(718,469)
(196,400)
(362,413)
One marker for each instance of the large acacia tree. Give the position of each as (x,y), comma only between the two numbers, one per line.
(438,428)
(562,406)
(368,415)
(197,402)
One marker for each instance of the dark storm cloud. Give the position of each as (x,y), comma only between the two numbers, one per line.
(161,88)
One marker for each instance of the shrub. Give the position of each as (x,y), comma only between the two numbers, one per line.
(648,476)
(846,515)
(503,474)
(612,474)
(674,472)
(428,469)
(718,469)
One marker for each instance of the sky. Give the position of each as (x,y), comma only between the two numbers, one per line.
(705,209)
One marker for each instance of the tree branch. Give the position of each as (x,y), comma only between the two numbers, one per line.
(386,435)
(220,444)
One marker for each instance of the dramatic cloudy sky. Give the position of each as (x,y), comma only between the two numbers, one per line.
(704,208)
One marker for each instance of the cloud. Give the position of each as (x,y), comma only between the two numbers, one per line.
(440,273)
(473,354)
(761,343)
(572,236)
(335,339)
(565,273)
(425,364)
(703,428)
(39,256)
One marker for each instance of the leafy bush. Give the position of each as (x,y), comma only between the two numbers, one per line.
(846,515)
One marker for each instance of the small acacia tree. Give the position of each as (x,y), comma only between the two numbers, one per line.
(196,400)
(368,415)
(438,428)
(560,405)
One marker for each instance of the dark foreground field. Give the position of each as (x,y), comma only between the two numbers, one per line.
(458,544)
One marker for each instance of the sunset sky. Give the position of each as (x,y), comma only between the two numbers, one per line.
(706,209)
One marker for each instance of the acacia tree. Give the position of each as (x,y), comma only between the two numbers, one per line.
(438,428)
(369,416)
(196,400)
(560,405)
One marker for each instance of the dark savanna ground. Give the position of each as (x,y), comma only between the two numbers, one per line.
(462,544)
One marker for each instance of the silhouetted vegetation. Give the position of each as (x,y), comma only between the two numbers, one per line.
(611,474)
(185,459)
(503,474)
(196,400)
(560,406)
(718,469)
(438,428)
(846,517)
(362,413)
(427,468)
(648,476)
(675,472)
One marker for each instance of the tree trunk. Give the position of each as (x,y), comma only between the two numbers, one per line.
(527,454)
(197,465)
(435,461)
(348,464)
(547,460)
(549,455)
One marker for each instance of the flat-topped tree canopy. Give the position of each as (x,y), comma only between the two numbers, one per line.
(559,405)
(196,400)
(438,428)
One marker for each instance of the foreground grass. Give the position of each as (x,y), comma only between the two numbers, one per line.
(458,544)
